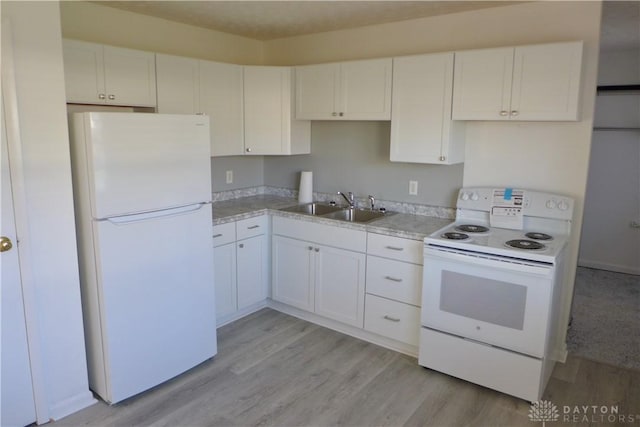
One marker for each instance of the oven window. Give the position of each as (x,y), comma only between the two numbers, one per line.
(488,300)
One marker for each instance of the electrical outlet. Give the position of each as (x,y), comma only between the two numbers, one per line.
(413,188)
(229,177)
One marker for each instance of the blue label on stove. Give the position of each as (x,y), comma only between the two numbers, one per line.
(507,193)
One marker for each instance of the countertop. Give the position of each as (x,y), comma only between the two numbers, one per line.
(408,226)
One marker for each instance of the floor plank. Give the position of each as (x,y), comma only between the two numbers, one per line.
(276,370)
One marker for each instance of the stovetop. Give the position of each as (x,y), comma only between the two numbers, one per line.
(516,223)
(494,241)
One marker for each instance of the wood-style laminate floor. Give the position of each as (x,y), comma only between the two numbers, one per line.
(274,369)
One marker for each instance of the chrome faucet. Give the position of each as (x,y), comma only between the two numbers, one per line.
(372,202)
(350,199)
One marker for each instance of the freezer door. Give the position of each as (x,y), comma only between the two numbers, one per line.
(145,162)
(156,298)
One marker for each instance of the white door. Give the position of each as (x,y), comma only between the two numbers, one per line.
(546,82)
(267,109)
(421,115)
(339,284)
(130,77)
(317,91)
(17,401)
(482,84)
(252,271)
(178,85)
(491,300)
(221,98)
(146,162)
(84,72)
(224,257)
(365,89)
(157,298)
(293,272)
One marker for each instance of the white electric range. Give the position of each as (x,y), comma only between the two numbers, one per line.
(492,285)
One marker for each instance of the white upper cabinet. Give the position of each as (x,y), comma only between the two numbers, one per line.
(421,126)
(191,86)
(97,74)
(221,99)
(355,90)
(269,124)
(536,82)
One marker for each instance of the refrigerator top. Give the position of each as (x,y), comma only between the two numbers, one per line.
(128,163)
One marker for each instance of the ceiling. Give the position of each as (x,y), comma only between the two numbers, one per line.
(267,20)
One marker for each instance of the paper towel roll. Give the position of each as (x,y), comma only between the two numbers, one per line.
(305,194)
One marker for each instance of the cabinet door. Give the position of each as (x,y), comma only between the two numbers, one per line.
(178,85)
(224,264)
(221,99)
(546,82)
(130,77)
(365,90)
(339,285)
(252,270)
(292,272)
(267,110)
(83,72)
(482,84)
(421,128)
(317,88)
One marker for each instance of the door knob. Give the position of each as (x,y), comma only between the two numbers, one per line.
(5,244)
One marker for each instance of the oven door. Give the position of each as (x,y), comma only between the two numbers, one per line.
(494,300)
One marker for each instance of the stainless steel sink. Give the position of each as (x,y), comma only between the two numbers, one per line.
(356,215)
(314,209)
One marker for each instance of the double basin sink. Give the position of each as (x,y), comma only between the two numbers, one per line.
(326,210)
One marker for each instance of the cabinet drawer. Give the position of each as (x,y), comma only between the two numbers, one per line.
(251,227)
(392,319)
(396,280)
(224,233)
(395,248)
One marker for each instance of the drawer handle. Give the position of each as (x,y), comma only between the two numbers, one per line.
(217,235)
(393,279)
(391,319)
(394,248)
(253,227)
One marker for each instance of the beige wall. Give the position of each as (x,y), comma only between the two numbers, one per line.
(544,156)
(100,24)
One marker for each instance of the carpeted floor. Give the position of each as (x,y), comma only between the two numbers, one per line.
(606,318)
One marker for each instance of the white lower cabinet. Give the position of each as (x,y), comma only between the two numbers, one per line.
(312,274)
(394,288)
(241,265)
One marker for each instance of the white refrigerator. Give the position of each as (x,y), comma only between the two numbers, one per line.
(142,192)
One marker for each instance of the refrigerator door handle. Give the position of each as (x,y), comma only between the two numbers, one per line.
(144,216)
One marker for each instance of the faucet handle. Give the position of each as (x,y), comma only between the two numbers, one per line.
(372,201)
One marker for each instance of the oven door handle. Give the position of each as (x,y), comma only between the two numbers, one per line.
(540,269)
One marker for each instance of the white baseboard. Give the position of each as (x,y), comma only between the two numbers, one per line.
(240,313)
(609,267)
(71,405)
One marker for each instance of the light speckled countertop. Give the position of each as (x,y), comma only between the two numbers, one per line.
(408,226)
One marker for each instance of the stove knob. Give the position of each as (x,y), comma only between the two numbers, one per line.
(474,196)
(464,196)
(563,206)
(551,204)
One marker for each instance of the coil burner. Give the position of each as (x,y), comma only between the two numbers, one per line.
(452,235)
(471,228)
(539,236)
(530,245)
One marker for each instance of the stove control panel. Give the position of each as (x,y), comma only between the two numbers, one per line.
(516,201)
